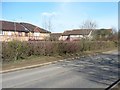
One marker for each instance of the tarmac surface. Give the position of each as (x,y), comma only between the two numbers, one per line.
(96,71)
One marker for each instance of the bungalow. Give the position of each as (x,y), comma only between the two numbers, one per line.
(36,33)
(55,36)
(76,34)
(21,31)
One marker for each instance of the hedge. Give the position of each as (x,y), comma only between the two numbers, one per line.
(15,50)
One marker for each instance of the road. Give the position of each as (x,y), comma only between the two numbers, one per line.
(98,71)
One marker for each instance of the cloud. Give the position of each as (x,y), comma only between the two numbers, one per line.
(49,14)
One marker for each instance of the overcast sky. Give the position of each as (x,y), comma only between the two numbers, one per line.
(64,15)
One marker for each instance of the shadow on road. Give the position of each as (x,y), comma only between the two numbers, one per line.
(102,68)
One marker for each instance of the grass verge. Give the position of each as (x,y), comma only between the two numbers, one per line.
(33,60)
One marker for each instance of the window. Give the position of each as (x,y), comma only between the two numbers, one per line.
(9,33)
(36,34)
(26,34)
(3,32)
(19,33)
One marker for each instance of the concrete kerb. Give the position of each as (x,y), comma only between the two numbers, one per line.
(32,66)
(38,65)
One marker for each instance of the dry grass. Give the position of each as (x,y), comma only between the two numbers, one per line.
(33,60)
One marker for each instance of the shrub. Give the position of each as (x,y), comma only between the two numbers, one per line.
(15,50)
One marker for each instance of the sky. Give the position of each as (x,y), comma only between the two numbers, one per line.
(63,15)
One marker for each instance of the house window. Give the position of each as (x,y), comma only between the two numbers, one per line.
(3,32)
(9,33)
(20,33)
(26,34)
(36,34)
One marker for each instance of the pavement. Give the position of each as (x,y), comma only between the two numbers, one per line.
(97,71)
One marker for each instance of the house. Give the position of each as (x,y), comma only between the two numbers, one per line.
(76,34)
(55,36)
(10,30)
(36,33)
(21,31)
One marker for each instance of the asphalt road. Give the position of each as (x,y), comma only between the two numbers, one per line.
(87,72)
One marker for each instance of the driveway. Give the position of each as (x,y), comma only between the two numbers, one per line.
(98,71)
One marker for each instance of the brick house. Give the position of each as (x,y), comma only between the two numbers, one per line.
(36,33)
(76,34)
(21,31)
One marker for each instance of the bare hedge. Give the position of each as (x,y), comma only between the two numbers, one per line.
(16,50)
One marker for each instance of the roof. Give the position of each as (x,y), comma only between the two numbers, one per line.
(56,34)
(77,32)
(34,28)
(12,26)
(20,27)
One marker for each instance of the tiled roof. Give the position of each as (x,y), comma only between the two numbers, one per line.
(56,34)
(12,26)
(34,28)
(20,27)
(77,32)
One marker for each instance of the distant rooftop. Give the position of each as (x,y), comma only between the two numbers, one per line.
(20,27)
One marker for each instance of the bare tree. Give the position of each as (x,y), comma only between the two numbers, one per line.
(47,23)
(89,25)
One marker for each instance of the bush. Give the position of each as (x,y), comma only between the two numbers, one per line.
(15,50)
